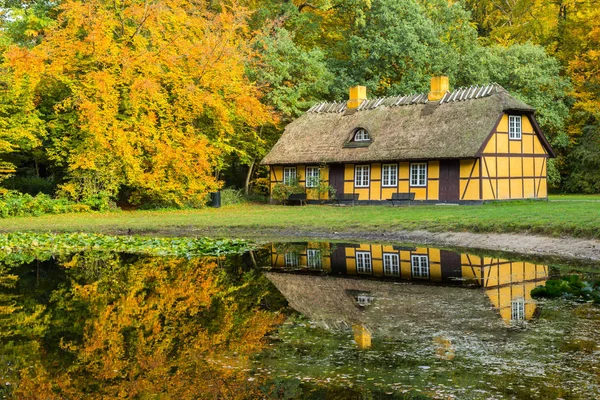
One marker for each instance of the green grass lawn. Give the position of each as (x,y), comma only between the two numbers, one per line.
(573,218)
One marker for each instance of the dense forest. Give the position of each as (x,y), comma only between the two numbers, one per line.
(162,101)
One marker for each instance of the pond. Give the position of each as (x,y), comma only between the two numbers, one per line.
(294,320)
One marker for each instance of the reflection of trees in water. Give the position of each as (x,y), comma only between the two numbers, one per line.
(108,325)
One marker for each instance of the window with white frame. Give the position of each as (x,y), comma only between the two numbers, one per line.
(312,177)
(514,126)
(313,258)
(418,174)
(518,310)
(420,266)
(361,176)
(364,300)
(291,259)
(289,175)
(389,175)
(361,135)
(391,264)
(363,262)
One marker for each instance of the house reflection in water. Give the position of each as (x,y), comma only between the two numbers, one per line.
(402,285)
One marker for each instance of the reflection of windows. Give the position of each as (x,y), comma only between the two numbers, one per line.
(313,258)
(364,300)
(518,310)
(420,266)
(361,176)
(363,262)
(291,259)
(418,174)
(389,175)
(289,175)
(312,177)
(391,264)
(514,127)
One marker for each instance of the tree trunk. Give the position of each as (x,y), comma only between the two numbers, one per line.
(248,177)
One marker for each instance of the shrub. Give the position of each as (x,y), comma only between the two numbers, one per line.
(14,204)
(232,196)
(282,191)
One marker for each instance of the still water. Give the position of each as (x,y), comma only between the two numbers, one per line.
(294,320)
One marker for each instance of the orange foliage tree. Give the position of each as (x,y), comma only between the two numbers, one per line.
(144,94)
(168,328)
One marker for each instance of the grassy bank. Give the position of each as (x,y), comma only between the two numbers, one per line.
(572,218)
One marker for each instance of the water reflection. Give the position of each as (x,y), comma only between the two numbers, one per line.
(507,284)
(108,325)
(325,321)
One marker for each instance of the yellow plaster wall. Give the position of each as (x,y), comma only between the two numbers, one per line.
(469,179)
(517,160)
(433,169)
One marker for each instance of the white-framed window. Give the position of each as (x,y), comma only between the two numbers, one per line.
(364,300)
(514,127)
(518,310)
(389,175)
(291,259)
(361,175)
(312,177)
(361,135)
(289,175)
(391,264)
(313,259)
(418,174)
(363,262)
(420,266)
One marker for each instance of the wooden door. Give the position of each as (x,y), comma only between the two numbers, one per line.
(338,259)
(451,266)
(336,179)
(449,180)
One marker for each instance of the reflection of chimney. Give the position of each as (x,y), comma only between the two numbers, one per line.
(362,336)
(358,94)
(439,87)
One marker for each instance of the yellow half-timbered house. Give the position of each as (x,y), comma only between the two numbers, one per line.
(467,145)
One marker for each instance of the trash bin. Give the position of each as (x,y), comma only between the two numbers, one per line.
(215,199)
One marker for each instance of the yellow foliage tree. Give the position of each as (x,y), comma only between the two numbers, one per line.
(168,328)
(148,94)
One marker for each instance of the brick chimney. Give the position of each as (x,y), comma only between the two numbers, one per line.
(358,94)
(439,87)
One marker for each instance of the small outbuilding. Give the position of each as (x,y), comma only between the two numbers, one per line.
(468,145)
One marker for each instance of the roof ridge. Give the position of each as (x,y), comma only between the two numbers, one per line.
(457,94)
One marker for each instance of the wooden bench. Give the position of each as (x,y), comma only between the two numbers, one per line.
(345,198)
(299,197)
(402,197)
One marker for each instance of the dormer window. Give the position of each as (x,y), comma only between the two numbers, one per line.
(361,135)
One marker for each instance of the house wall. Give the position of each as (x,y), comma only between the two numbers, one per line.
(276,176)
(512,168)
(375,191)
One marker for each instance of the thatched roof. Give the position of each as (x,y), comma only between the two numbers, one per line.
(403,309)
(401,128)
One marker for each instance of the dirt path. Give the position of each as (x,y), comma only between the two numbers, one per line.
(530,245)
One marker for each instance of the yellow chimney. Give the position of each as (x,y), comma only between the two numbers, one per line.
(439,87)
(358,94)
(362,336)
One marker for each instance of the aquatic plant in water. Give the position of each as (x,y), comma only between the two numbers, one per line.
(16,246)
(570,287)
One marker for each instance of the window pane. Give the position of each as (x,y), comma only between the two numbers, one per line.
(312,176)
(289,175)
(361,176)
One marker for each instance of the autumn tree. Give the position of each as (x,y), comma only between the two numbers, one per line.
(150,95)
